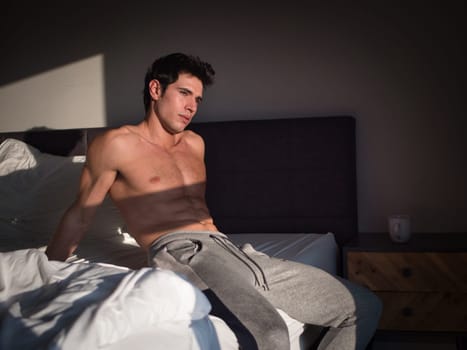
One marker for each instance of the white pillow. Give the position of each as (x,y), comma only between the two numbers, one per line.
(24,172)
(36,188)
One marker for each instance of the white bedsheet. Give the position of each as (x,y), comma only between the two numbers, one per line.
(54,305)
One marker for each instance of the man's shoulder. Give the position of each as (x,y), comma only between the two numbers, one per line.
(115,135)
(195,142)
(112,140)
(192,136)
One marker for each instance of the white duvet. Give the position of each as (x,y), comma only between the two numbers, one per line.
(54,305)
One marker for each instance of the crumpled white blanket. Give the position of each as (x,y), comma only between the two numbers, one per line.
(54,305)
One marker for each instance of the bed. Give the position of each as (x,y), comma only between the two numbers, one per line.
(288,186)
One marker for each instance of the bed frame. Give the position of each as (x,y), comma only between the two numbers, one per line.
(264,176)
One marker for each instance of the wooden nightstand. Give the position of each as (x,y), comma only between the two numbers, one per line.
(422,283)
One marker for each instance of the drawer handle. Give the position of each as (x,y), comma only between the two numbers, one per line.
(407,272)
(407,311)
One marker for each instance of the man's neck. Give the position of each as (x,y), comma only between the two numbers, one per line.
(152,130)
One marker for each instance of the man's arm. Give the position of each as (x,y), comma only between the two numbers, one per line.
(96,179)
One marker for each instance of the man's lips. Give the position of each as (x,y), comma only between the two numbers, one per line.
(185,118)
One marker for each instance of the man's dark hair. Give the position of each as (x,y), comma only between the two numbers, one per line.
(167,68)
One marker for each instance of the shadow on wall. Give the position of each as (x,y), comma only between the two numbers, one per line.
(322,59)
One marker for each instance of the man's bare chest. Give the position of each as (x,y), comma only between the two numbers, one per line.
(159,170)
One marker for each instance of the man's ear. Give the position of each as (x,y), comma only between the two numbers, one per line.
(155,89)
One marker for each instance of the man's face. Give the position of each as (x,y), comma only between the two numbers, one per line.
(178,104)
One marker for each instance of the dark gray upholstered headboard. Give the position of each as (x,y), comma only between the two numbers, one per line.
(59,142)
(269,176)
(285,175)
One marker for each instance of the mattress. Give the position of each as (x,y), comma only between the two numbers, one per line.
(314,249)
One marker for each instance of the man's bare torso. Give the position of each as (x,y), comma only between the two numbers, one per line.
(159,190)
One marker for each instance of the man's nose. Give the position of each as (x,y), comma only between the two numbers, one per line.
(191,106)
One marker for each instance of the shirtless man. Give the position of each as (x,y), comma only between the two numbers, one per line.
(153,171)
(155,175)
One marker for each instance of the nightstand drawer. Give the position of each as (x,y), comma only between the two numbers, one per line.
(403,271)
(424,311)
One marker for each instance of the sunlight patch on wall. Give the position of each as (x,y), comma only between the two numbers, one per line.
(71,96)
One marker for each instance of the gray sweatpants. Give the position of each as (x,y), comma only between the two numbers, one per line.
(245,287)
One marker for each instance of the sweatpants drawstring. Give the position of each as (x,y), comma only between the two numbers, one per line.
(241,255)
